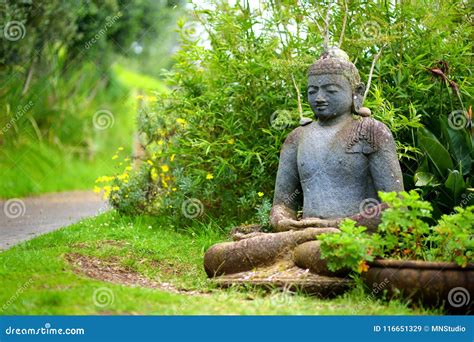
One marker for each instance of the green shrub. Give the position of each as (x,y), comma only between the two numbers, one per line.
(453,237)
(240,90)
(403,234)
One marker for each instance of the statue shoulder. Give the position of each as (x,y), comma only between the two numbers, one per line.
(294,136)
(368,135)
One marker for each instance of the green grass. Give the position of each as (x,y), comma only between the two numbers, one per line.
(136,80)
(36,278)
(36,168)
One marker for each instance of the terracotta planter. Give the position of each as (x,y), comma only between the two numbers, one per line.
(432,283)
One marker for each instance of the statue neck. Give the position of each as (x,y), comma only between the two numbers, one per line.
(334,121)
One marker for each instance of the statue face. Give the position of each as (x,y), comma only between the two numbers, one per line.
(329,96)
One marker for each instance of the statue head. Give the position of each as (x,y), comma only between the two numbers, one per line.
(334,86)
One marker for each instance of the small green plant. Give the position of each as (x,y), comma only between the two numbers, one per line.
(350,249)
(404,224)
(453,237)
(404,233)
(263,212)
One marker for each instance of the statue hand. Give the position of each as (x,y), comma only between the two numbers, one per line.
(289,224)
(318,223)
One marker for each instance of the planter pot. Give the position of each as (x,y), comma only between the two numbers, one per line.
(432,283)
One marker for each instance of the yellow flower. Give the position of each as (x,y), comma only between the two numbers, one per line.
(231,141)
(120,148)
(128,168)
(115,188)
(104,179)
(149,162)
(363,267)
(209,176)
(96,189)
(174,189)
(260,194)
(160,142)
(139,97)
(123,176)
(172,157)
(165,168)
(181,121)
(114,157)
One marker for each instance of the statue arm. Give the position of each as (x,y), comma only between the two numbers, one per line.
(386,175)
(384,165)
(288,193)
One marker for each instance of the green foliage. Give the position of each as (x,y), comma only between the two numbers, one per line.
(402,234)
(453,236)
(240,90)
(58,56)
(445,172)
(349,249)
(404,225)
(263,213)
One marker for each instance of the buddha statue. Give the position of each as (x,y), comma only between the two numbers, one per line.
(330,168)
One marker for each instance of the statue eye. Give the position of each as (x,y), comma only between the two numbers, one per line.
(311,92)
(332,90)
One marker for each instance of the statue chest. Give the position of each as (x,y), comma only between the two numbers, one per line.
(323,158)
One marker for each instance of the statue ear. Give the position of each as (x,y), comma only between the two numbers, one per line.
(358,99)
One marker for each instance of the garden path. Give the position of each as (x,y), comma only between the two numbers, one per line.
(23,219)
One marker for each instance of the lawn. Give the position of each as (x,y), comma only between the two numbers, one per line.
(146,265)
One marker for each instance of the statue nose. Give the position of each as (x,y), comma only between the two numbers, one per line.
(320,100)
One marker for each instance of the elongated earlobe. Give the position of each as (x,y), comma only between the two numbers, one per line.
(358,100)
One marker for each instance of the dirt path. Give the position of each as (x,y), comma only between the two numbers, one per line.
(23,219)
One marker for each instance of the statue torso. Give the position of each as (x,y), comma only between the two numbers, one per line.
(335,176)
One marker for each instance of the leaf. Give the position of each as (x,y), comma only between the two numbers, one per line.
(460,146)
(424,179)
(436,152)
(456,184)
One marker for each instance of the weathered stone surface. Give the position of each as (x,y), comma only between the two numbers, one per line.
(308,256)
(262,250)
(284,274)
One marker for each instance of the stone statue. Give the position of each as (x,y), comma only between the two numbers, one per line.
(330,169)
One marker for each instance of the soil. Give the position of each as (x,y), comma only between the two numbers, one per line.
(110,270)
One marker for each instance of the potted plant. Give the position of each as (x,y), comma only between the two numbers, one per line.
(431,263)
